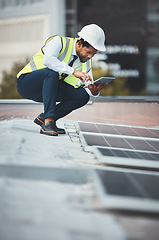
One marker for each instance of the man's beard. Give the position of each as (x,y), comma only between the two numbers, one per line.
(83,59)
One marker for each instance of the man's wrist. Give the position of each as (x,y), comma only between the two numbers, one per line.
(74,72)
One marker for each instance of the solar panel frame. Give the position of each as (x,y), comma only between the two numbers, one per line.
(128,203)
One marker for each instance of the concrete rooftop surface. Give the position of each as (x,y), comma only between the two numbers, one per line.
(47,185)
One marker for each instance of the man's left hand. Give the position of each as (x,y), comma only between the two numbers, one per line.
(96,89)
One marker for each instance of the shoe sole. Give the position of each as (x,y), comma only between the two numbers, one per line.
(50,133)
(40,123)
(61,132)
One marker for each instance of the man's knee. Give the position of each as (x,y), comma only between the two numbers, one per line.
(83,98)
(86,98)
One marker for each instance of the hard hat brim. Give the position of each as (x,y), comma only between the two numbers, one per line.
(98,48)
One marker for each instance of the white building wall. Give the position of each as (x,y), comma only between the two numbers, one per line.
(24,29)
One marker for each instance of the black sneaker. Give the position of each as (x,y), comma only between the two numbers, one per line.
(49,129)
(40,120)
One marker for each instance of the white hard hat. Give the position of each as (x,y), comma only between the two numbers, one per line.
(94,35)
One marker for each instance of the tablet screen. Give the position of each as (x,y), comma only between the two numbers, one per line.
(104,80)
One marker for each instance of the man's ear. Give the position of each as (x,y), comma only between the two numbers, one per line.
(79,44)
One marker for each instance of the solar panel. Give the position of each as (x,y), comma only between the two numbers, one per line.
(131,158)
(114,142)
(118,130)
(129,154)
(122,145)
(129,190)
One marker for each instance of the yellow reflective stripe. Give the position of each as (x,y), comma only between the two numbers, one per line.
(69,43)
(84,67)
(63,41)
(64,50)
(37,61)
(68,50)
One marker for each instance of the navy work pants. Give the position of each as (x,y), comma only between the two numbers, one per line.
(44,86)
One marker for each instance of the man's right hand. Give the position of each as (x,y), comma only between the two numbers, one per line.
(82,76)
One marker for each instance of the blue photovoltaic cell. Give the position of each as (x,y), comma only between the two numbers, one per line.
(94,140)
(119,130)
(127,131)
(117,142)
(118,183)
(155,132)
(88,127)
(128,154)
(129,184)
(147,133)
(142,145)
(106,129)
(127,143)
(155,144)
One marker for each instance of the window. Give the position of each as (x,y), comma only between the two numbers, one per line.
(9,3)
(71,18)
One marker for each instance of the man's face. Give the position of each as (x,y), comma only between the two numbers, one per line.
(85,53)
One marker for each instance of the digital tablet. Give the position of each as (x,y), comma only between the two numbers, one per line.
(104,80)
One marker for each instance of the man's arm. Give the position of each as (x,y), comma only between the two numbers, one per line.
(51,53)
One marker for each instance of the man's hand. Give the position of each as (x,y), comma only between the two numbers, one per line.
(82,76)
(96,89)
(92,87)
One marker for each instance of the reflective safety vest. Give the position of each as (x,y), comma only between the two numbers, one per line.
(36,62)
